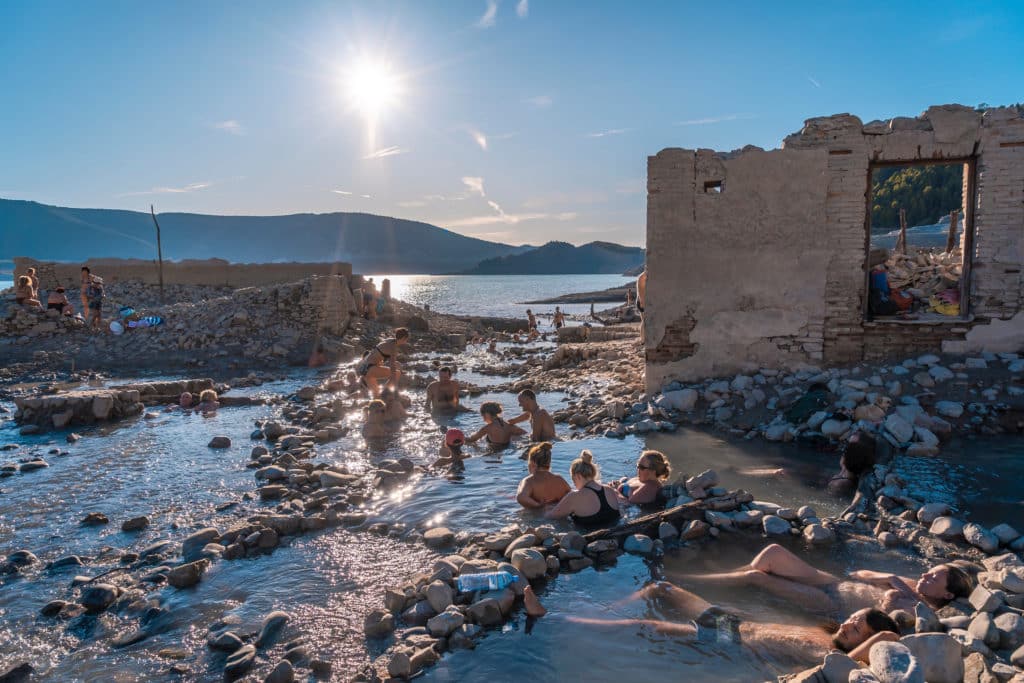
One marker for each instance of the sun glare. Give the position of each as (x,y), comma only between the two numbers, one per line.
(372,88)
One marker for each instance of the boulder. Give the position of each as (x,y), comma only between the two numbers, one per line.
(239,662)
(1005,533)
(378,623)
(192,547)
(950,409)
(187,575)
(981,538)
(438,537)
(928,513)
(1011,630)
(638,544)
(486,612)
(984,600)
(837,667)
(833,428)
(667,531)
(219,442)
(983,628)
(272,625)
(284,672)
(439,595)
(947,528)
(530,563)
(775,526)
(98,597)
(524,541)
(899,429)
(939,655)
(445,622)
(818,534)
(682,400)
(926,620)
(894,663)
(135,524)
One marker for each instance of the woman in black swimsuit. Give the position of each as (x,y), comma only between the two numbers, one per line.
(592,504)
(381,364)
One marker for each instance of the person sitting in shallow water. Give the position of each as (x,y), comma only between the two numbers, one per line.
(451,454)
(541,487)
(542,426)
(652,471)
(207,402)
(395,404)
(592,504)
(374,423)
(858,459)
(779,571)
(496,430)
(778,642)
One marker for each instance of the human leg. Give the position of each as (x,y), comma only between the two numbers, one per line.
(667,627)
(690,605)
(374,377)
(778,561)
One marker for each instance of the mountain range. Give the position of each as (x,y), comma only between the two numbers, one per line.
(371,243)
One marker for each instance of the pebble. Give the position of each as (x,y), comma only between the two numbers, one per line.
(239,662)
(638,544)
(219,442)
(438,537)
(95,519)
(894,663)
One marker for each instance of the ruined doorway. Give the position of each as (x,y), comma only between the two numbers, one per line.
(920,231)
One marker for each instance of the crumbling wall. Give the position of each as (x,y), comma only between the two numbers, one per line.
(214,272)
(758,258)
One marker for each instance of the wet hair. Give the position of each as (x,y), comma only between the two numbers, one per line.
(492,408)
(584,466)
(401,333)
(528,393)
(540,455)
(658,463)
(877,621)
(60,290)
(445,368)
(24,280)
(958,582)
(207,395)
(859,456)
(86,269)
(375,406)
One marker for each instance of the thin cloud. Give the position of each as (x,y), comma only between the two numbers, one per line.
(500,217)
(606,133)
(412,203)
(475,184)
(230,126)
(523,8)
(540,101)
(350,194)
(386,152)
(191,187)
(815,83)
(490,17)
(479,138)
(716,119)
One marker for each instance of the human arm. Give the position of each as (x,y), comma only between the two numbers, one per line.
(564,508)
(519,418)
(524,496)
(884,579)
(479,435)
(514,431)
(644,494)
(860,653)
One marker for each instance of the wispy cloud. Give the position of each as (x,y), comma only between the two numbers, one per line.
(539,101)
(523,8)
(191,187)
(479,138)
(385,152)
(814,82)
(350,194)
(490,16)
(501,217)
(475,184)
(606,133)
(230,126)
(715,119)
(412,203)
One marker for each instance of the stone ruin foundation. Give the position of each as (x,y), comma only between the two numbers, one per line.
(760,258)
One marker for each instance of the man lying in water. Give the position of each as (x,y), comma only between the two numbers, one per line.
(854,636)
(779,571)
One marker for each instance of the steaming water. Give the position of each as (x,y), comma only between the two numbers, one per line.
(328,580)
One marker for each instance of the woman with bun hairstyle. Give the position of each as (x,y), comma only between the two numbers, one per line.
(592,504)
(498,432)
(541,487)
(652,471)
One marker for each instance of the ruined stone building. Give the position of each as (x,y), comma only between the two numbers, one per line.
(760,258)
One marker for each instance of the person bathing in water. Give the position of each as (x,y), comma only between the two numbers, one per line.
(858,458)
(541,423)
(592,504)
(779,571)
(375,420)
(451,454)
(541,488)
(395,405)
(443,393)
(381,365)
(498,432)
(652,471)
(208,404)
(777,642)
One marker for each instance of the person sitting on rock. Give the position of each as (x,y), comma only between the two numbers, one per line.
(592,504)
(541,487)
(498,432)
(372,370)
(858,459)
(443,393)
(374,425)
(56,300)
(24,294)
(652,471)
(394,404)
(208,404)
(779,571)
(541,423)
(772,642)
(451,454)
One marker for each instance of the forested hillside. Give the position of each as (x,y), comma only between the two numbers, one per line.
(926,192)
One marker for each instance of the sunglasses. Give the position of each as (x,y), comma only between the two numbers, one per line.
(643,467)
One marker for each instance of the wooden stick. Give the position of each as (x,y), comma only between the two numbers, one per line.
(159,253)
(951,237)
(901,241)
(648,524)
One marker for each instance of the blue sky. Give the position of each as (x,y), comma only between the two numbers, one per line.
(516,121)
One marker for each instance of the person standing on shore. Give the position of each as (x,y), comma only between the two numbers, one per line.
(558,319)
(94,294)
(532,320)
(541,423)
(641,300)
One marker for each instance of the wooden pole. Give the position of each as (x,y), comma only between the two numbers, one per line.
(159,253)
(954,219)
(901,241)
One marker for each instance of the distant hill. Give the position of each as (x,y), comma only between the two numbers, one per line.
(562,257)
(372,244)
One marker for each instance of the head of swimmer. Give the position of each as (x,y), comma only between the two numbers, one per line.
(652,466)
(539,457)
(490,411)
(944,582)
(401,336)
(584,470)
(527,400)
(861,625)
(445,374)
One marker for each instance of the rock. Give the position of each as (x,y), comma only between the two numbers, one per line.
(947,528)
(921,450)
(486,612)
(924,379)
(869,413)
(1011,630)
(102,405)
(228,641)
(135,524)
(98,596)
(524,541)
(22,558)
(438,537)
(530,563)
(445,622)
(187,575)
(925,619)
(894,663)
(378,623)
(1005,533)
(329,479)
(272,625)
(938,654)
(284,672)
(273,492)
(928,513)
(775,526)
(1017,658)
(694,529)
(980,537)
(34,465)
(638,544)
(192,547)
(940,374)
(439,595)
(399,665)
(95,519)
(900,429)
(667,531)
(418,614)
(983,628)
(984,600)
(682,400)
(239,662)
(976,670)
(837,667)
(776,432)
(818,534)
(21,673)
(950,409)
(833,429)
(219,442)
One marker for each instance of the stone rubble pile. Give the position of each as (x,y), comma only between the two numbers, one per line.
(925,273)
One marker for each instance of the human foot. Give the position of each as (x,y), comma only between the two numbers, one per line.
(533,606)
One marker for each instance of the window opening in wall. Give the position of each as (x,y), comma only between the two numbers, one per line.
(919,228)
(713,186)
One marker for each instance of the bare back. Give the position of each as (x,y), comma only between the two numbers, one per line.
(543,426)
(544,487)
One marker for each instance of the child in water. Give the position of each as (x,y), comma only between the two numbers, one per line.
(451,454)
(207,402)
(374,426)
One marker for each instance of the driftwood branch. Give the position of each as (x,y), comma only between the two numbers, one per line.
(648,524)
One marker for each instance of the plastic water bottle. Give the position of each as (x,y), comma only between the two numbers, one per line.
(625,490)
(491,581)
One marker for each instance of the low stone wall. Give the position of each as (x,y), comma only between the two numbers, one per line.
(41,413)
(217,272)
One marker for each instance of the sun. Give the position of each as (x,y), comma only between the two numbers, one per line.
(372,87)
